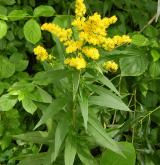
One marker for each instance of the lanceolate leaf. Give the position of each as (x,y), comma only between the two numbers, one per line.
(52,110)
(107,99)
(100,136)
(70,150)
(60,134)
(83,101)
(112,158)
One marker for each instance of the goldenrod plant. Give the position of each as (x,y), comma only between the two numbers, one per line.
(79,82)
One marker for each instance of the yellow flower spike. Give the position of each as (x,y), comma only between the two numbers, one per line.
(41,53)
(111,66)
(73,46)
(77,62)
(61,33)
(91,52)
(80,8)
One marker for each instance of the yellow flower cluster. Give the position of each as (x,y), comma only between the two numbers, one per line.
(80,41)
(80,8)
(76,62)
(41,53)
(91,52)
(73,46)
(61,33)
(111,43)
(111,66)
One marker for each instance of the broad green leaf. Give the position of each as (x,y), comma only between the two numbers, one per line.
(155,55)
(44,10)
(70,150)
(7,68)
(48,77)
(28,105)
(7,102)
(83,101)
(41,96)
(32,31)
(85,156)
(35,159)
(100,135)
(154,69)
(52,110)
(7,2)
(107,99)
(140,40)
(60,134)
(39,137)
(63,21)
(112,158)
(16,15)
(133,66)
(20,63)
(3,28)
(3,10)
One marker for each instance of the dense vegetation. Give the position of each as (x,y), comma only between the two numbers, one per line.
(52,113)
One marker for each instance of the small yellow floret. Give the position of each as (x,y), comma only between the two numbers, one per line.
(111,66)
(61,33)
(77,62)
(73,46)
(41,53)
(80,8)
(91,52)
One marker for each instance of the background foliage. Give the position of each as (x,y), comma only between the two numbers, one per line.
(30,131)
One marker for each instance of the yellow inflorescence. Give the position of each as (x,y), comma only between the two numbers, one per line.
(111,66)
(61,33)
(87,35)
(80,8)
(76,62)
(91,52)
(41,53)
(73,46)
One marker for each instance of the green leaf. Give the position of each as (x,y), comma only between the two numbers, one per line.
(133,66)
(43,96)
(35,159)
(140,40)
(83,101)
(32,31)
(16,15)
(85,156)
(107,99)
(7,2)
(112,158)
(28,105)
(7,68)
(20,63)
(100,136)
(39,137)
(50,76)
(7,102)
(44,10)
(70,150)
(155,54)
(3,29)
(75,79)
(52,110)
(60,134)
(63,21)
(154,69)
